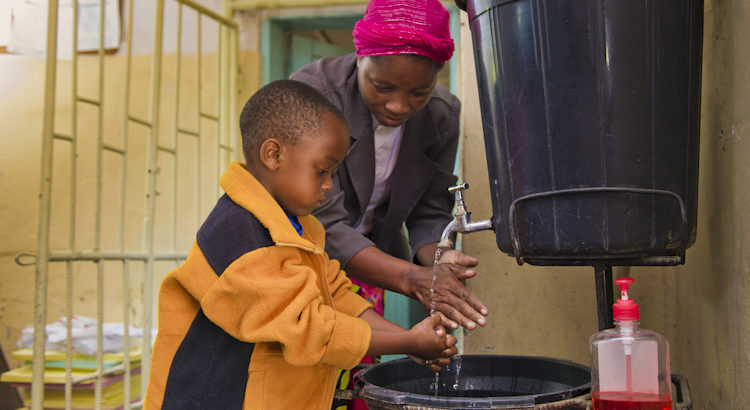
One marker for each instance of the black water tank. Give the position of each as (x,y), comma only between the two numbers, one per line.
(591,116)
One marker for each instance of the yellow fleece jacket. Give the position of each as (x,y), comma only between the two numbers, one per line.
(257,317)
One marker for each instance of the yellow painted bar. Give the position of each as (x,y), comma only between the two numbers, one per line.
(151,163)
(234,50)
(126,336)
(198,105)
(176,118)
(72,212)
(209,12)
(99,207)
(45,192)
(223,106)
(62,256)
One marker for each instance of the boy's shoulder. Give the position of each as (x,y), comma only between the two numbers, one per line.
(229,232)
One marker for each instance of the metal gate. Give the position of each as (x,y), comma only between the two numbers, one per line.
(125,184)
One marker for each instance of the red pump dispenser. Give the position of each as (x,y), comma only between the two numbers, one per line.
(629,365)
(625,308)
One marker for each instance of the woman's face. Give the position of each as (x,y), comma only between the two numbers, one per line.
(395,87)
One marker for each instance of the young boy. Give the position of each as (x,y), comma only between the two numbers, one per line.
(258,316)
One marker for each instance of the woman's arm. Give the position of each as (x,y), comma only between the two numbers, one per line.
(377,268)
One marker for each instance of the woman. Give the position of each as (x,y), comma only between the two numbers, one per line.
(403,129)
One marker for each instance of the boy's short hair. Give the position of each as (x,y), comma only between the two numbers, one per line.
(283,109)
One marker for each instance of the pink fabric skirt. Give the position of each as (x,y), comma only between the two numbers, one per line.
(374,295)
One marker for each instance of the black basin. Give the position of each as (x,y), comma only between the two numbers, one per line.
(484,382)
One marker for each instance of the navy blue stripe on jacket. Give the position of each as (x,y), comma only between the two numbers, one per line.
(210,368)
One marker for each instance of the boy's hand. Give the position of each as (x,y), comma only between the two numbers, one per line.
(436,364)
(432,343)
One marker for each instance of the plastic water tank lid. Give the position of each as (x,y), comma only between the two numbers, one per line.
(625,308)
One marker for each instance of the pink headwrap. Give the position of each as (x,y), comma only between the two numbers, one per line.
(404,27)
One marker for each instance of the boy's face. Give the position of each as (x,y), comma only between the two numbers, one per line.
(395,87)
(305,168)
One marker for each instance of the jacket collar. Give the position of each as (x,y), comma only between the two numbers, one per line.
(242,187)
(361,143)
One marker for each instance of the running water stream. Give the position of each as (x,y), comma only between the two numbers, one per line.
(432,311)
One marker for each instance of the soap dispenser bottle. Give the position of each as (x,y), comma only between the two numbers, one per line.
(629,365)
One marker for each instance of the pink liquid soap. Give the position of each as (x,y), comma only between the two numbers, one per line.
(634,401)
(629,365)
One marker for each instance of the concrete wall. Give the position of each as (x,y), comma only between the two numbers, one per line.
(701,307)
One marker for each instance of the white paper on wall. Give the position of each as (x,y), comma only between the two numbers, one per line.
(28,26)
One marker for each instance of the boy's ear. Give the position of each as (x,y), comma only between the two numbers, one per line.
(270,151)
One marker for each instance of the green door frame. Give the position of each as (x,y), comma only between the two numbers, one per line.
(273,48)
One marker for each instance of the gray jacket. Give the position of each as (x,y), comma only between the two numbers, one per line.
(420,179)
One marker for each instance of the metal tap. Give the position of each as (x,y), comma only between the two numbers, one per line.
(461,220)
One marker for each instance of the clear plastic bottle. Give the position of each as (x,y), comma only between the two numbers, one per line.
(629,365)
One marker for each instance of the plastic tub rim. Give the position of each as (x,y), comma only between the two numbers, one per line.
(370,391)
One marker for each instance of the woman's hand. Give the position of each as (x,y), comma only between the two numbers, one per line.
(373,266)
(449,294)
